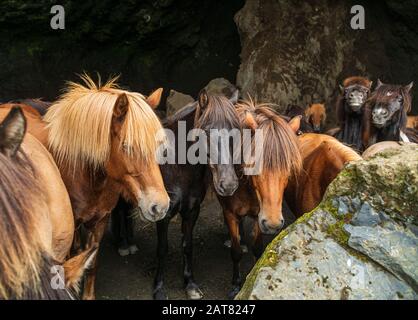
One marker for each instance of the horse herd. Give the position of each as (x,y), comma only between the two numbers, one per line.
(67,165)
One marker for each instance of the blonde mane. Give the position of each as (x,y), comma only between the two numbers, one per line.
(80,123)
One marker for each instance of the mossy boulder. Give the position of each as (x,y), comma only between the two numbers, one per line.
(360,243)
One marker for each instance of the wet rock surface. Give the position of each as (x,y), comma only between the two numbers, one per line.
(360,243)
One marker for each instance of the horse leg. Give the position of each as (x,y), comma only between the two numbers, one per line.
(95,235)
(119,231)
(232,222)
(162,250)
(258,245)
(129,224)
(188,222)
(77,245)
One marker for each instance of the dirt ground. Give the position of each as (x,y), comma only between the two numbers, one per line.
(132,277)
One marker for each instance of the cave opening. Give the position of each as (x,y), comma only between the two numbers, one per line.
(179,45)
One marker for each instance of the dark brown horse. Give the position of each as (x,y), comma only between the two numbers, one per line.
(187,181)
(27,245)
(260,196)
(350,108)
(385,115)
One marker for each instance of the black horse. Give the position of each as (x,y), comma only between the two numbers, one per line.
(350,109)
(385,115)
(187,181)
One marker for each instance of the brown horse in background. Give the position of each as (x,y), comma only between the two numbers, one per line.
(316,115)
(323,159)
(36,222)
(41,106)
(350,108)
(412,122)
(260,196)
(103,140)
(385,115)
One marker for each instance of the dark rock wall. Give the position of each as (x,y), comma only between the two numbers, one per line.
(298,51)
(291,51)
(176,44)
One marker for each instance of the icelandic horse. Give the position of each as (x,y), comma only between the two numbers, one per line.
(260,196)
(36,220)
(103,140)
(385,115)
(350,108)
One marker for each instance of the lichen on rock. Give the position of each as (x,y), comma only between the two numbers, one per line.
(360,243)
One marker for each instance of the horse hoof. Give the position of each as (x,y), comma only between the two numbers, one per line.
(244,248)
(133,249)
(123,252)
(160,295)
(233,293)
(193,292)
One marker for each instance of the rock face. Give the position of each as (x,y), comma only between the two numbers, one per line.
(220,86)
(360,243)
(173,44)
(297,52)
(176,101)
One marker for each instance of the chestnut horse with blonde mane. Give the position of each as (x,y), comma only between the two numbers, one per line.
(260,196)
(36,223)
(103,140)
(323,159)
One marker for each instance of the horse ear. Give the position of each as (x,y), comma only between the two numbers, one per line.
(409,87)
(341,88)
(203,99)
(12,132)
(295,124)
(121,107)
(234,97)
(379,84)
(74,268)
(154,98)
(308,111)
(370,84)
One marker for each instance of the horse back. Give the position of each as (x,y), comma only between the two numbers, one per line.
(35,125)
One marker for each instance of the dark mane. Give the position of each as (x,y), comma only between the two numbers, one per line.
(219,113)
(351,125)
(24,264)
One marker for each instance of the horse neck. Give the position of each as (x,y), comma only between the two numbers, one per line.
(351,132)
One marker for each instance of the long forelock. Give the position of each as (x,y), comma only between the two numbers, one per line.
(220,113)
(281,150)
(80,125)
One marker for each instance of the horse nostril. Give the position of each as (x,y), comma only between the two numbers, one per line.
(154,210)
(264,224)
